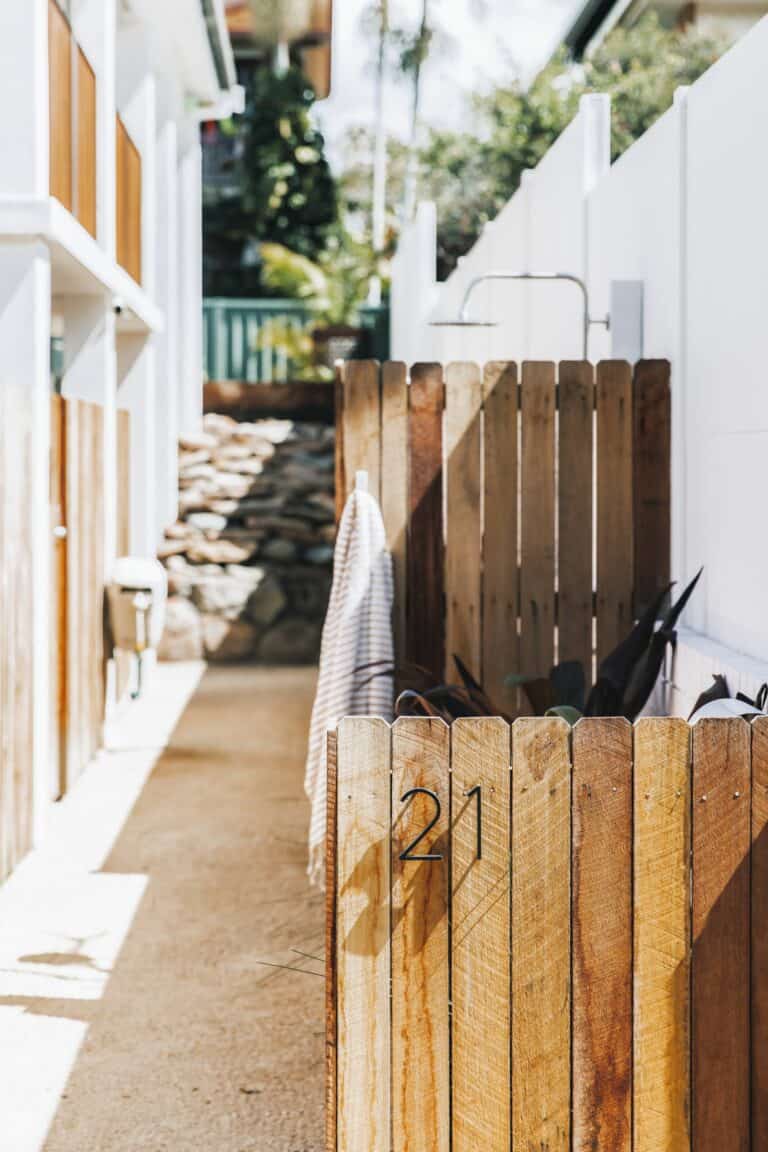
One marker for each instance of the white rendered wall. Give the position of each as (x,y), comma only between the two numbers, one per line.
(24,99)
(136,392)
(190,281)
(25,325)
(414,287)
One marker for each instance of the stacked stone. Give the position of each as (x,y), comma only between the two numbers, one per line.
(249,559)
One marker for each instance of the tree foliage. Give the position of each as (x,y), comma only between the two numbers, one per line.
(287,193)
(471,175)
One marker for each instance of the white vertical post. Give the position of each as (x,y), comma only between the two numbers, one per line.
(167,342)
(681,415)
(595,111)
(95,24)
(190,284)
(136,393)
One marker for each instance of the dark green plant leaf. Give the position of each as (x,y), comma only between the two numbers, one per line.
(719,690)
(565,712)
(569,684)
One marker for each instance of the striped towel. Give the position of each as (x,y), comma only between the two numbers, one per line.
(357,631)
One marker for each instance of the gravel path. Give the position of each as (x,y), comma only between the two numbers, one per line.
(197,1046)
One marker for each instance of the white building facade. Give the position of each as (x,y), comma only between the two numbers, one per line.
(100,250)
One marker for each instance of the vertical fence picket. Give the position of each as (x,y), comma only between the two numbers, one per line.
(576,395)
(363,928)
(425,608)
(537,573)
(362,423)
(541,914)
(480,908)
(652,479)
(463,528)
(420,945)
(759,956)
(394,487)
(662,935)
(602,935)
(721,913)
(501,649)
(614,504)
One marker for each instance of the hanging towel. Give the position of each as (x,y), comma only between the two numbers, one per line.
(357,632)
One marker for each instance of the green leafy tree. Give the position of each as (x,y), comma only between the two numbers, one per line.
(287,193)
(472,175)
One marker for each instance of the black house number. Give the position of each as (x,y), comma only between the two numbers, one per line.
(409,853)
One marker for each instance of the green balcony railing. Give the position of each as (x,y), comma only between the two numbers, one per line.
(265,341)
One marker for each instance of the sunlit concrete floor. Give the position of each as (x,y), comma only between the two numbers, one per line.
(138,1008)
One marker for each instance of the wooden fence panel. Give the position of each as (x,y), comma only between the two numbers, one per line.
(575,489)
(541,936)
(480,846)
(501,649)
(537,572)
(721,898)
(394,488)
(332,959)
(362,928)
(662,841)
(426,561)
(569,941)
(463,524)
(539,479)
(420,946)
(614,504)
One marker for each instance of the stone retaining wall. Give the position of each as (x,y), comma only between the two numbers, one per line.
(249,560)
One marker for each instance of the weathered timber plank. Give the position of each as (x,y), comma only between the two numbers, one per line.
(464,540)
(602,935)
(652,420)
(541,947)
(662,936)
(362,424)
(480,829)
(394,488)
(615,565)
(501,649)
(759,956)
(420,960)
(575,488)
(721,913)
(537,572)
(362,927)
(425,625)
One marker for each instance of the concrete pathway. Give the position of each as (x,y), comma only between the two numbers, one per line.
(138,1012)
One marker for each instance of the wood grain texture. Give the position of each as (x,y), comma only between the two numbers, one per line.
(60,105)
(129,202)
(331,960)
(602,935)
(541,951)
(339,466)
(615,563)
(721,939)
(576,396)
(537,572)
(759,956)
(59,639)
(501,593)
(662,936)
(86,143)
(362,934)
(123,482)
(464,534)
(420,948)
(480,757)
(362,424)
(425,644)
(652,425)
(394,488)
